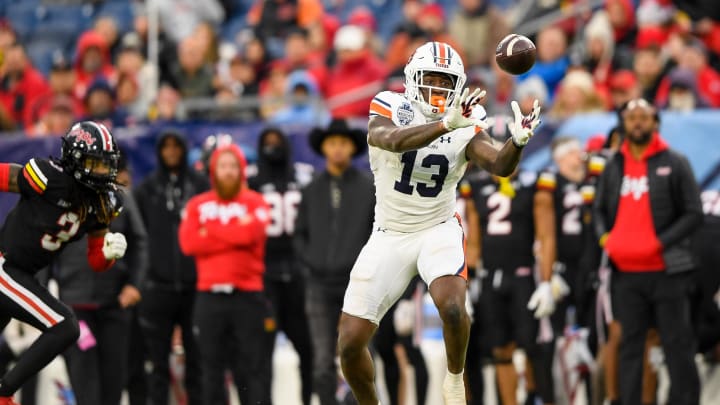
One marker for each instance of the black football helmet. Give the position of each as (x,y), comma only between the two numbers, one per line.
(90,155)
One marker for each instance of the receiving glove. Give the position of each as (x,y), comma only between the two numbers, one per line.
(459,115)
(523,126)
(542,301)
(114,246)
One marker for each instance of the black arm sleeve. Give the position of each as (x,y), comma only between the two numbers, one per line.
(599,213)
(686,193)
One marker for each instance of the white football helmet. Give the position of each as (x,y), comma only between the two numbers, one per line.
(436,57)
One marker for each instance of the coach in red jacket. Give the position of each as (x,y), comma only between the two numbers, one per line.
(224,229)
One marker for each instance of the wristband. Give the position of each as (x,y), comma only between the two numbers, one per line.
(4,176)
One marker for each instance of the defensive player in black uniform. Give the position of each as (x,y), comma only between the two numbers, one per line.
(60,201)
(279,180)
(510,221)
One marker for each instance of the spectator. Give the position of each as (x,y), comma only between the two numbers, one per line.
(362,17)
(280,182)
(169,290)
(21,83)
(478,26)
(599,48)
(576,94)
(648,67)
(622,18)
(97,364)
(8,37)
(100,105)
(274,19)
(305,106)
(552,60)
(529,90)
(128,97)
(646,208)
(396,58)
(131,62)
(272,89)
(707,80)
(167,107)
(357,76)
(56,120)
(107,27)
(180,18)
(298,56)
(242,77)
(191,75)
(257,57)
(206,35)
(92,62)
(339,198)
(431,20)
(62,83)
(224,229)
(683,94)
(623,88)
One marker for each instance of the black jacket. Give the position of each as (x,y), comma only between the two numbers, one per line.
(161,198)
(280,181)
(327,244)
(81,287)
(674,201)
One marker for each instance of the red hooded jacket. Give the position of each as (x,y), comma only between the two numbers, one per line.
(226,237)
(90,39)
(633,244)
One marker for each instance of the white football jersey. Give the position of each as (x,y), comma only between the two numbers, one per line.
(415,190)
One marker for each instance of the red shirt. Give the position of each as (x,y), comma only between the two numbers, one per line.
(352,85)
(632,243)
(226,237)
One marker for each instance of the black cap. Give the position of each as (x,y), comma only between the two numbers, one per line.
(60,62)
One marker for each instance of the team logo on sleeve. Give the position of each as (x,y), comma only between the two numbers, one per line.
(405,113)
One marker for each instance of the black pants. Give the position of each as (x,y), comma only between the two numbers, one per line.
(640,299)
(160,311)
(234,325)
(288,303)
(324,304)
(23,298)
(136,383)
(384,341)
(98,374)
(8,357)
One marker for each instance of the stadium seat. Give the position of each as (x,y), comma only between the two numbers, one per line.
(80,16)
(40,53)
(23,18)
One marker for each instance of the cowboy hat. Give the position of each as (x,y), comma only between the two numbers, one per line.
(338,126)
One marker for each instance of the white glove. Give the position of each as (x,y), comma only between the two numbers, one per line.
(459,115)
(560,289)
(114,246)
(404,317)
(542,301)
(523,126)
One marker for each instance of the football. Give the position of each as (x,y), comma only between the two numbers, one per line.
(515,54)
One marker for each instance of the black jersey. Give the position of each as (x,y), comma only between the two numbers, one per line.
(573,203)
(506,223)
(282,194)
(41,223)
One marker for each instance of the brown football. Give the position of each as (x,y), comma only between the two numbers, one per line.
(515,54)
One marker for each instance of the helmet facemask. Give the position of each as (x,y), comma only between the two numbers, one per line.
(438,98)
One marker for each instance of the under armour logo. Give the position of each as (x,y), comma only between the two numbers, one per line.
(443,138)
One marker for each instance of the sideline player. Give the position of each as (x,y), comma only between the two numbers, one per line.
(60,201)
(420,144)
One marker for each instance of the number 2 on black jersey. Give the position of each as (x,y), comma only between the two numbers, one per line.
(408,161)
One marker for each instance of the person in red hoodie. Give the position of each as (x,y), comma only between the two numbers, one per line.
(19,84)
(224,229)
(356,78)
(646,208)
(92,62)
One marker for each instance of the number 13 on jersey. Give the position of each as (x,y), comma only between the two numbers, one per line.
(425,190)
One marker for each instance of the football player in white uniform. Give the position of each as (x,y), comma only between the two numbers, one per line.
(420,144)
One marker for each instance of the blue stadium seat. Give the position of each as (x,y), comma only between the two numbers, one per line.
(23,18)
(59,32)
(80,16)
(40,53)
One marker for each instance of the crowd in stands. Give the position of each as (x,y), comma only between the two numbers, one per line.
(304,61)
